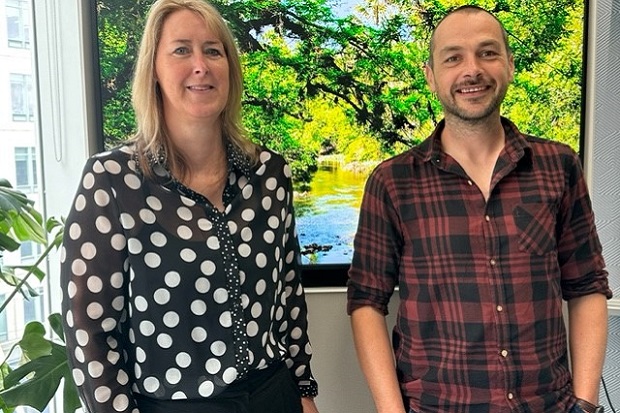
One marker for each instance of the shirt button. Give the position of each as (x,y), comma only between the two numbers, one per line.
(492,262)
(504,353)
(488,218)
(511,396)
(500,308)
(469,182)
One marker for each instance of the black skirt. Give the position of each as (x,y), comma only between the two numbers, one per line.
(264,391)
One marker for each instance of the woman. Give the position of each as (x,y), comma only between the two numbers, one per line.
(179,264)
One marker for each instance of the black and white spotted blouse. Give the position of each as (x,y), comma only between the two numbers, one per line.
(166,296)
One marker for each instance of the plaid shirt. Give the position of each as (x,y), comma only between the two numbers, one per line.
(480,325)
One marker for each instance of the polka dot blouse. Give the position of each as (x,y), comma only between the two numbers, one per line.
(165,296)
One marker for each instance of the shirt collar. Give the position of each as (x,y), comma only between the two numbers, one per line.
(517,145)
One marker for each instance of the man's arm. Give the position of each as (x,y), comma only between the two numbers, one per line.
(376,358)
(587,320)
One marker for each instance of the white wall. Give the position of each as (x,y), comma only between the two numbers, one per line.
(342,387)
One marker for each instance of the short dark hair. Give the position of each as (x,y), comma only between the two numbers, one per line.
(470,9)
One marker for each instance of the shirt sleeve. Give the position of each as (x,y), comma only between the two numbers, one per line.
(579,248)
(298,343)
(94,281)
(377,247)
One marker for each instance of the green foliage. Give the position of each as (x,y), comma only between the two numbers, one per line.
(44,366)
(299,56)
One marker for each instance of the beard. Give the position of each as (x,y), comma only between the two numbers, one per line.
(455,110)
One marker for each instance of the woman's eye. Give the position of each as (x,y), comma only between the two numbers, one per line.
(181,50)
(213,52)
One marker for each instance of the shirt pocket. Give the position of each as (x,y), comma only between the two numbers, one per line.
(536,225)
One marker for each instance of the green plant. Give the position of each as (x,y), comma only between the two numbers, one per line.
(44,361)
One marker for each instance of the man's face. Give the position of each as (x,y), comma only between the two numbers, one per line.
(471,66)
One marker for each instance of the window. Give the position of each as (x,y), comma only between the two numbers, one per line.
(4,328)
(22,98)
(26,169)
(18,23)
(33,308)
(29,251)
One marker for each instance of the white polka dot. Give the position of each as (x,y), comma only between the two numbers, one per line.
(252,328)
(118,242)
(232,227)
(103,225)
(94,284)
(269,237)
(287,171)
(173,376)
(140,355)
(164,340)
(300,371)
(179,395)
(248,215)
(265,156)
(271,184)
(154,203)
(113,357)
(226,319)
(88,181)
(78,376)
(185,214)
(184,232)
(158,239)
(247,191)
(187,201)
(198,307)
(199,334)
(213,366)
(246,234)
(147,216)
(206,389)
(80,203)
(230,374)
(75,231)
(94,310)
(261,286)
(266,203)
(152,260)
(120,403)
(188,255)
(71,289)
(132,181)
(141,303)
(172,279)
(127,221)
(296,333)
(244,250)
(122,377)
(78,267)
(220,295)
(81,337)
(281,194)
(218,348)
(183,360)
(161,296)
(202,285)
(171,319)
(207,267)
(147,328)
(101,198)
(108,324)
(256,310)
(134,245)
(213,243)
(205,224)
(79,354)
(261,260)
(95,369)
(112,166)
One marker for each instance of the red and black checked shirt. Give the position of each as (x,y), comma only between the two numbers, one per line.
(479,326)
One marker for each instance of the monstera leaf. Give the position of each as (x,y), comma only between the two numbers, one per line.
(36,382)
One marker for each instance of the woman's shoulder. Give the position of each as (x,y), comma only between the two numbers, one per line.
(117,160)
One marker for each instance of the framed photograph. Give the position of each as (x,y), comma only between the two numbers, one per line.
(338,86)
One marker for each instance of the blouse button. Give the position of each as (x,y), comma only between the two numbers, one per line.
(492,262)
(511,396)
(500,308)
(504,353)
(469,182)
(487,218)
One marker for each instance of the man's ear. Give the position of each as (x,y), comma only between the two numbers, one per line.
(430,76)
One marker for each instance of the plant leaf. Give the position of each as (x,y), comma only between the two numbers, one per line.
(33,342)
(35,383)
(55,321)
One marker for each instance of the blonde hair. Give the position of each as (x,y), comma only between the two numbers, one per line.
(151,138)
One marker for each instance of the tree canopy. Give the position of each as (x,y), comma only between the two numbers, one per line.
(319,81)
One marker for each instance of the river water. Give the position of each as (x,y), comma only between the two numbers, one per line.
(327,215)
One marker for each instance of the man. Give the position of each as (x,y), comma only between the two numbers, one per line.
(485,230)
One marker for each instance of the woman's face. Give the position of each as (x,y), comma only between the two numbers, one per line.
(191,68)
